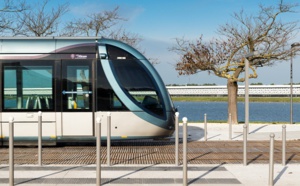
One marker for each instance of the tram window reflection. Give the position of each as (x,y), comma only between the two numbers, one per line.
(27,87)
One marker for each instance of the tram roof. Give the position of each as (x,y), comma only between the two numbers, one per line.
(48,45)
(50,38)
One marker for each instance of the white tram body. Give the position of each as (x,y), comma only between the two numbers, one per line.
(73,81)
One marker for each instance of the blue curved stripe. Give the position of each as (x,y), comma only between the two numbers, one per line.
(124,97)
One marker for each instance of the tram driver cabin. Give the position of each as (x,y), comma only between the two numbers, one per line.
(73,81)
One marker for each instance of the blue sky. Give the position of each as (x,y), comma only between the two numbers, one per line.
(158,22)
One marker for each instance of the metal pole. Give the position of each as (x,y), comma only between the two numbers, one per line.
(271,164)
(245,145)
(11,151)
(184,151)
(108,137)
(205,128)
(291,87)
(247,94)
(297,44)
(98,150)
(230,127)
(283,145)
(40,137)
(176,139)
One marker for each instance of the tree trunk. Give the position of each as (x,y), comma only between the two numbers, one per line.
(232,88)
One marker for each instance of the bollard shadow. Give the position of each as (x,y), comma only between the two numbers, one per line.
(206,173)
(194,133)
(290,158)
(280,175)
(252,132)
(125,175)
(258,129)
(195,158)
(254,159)
(27,181)
(137,157)
(5,167)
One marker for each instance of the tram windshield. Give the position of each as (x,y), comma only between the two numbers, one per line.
(136,81)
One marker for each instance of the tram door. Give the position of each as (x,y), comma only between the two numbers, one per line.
(77,115)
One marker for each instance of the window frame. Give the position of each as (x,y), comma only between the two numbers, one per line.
(69,62)
(21,64)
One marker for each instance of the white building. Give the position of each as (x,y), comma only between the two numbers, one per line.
(254,90)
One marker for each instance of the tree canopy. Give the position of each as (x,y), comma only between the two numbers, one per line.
(264,32)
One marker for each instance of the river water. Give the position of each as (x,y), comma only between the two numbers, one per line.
(264,112)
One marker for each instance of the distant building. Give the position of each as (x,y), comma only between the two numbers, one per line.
(254,90)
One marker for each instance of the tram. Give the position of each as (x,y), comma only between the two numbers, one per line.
(73,81)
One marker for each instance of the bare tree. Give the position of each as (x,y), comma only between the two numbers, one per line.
(125,36)
(7,14)
(104,24)
(95,24)
(40,20)
(265,33)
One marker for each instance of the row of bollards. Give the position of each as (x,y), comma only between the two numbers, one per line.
(271,158)
(98,151)
(98,146)
(245,132)
(11,146)
(11,151)
(184,181)
(245,144)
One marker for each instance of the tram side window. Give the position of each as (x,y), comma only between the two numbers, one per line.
(27,87)
(77,87)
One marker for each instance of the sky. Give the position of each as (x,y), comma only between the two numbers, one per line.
(159,22)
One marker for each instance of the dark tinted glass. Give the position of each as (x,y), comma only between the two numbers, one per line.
(137,82)
(106,98)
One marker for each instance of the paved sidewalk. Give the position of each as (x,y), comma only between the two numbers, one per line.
(256,131)
(152,175)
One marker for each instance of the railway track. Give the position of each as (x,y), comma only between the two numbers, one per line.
(156,152)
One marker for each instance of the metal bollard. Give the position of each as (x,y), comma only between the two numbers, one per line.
(230,127)
(98,151)
(283,145)
(184,181)
(108,137)
(271,164)
(245,145)
(11,151)
(205,128)
(176,139)
(40,137)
